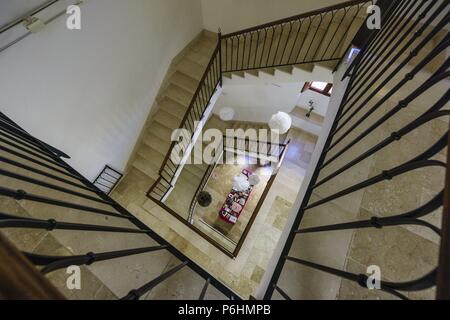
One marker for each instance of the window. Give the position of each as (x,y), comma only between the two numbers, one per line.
(319,87)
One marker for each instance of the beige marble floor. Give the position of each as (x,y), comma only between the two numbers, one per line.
(45,243)
(219,185)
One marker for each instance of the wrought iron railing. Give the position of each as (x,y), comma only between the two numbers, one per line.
(207,87)
(318,36)
(411,44)
(47,182)
(108,179)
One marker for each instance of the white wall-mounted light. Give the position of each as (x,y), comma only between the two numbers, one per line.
(33,24)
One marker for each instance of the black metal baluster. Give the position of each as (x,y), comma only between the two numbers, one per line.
(382,58)
(205,288)
(23,195)
(278,45)
(401,105)
(136,294)
(314,38)
(256,50)
(324,36)
(295,40)
(271,45)
(334,34)
(56,263)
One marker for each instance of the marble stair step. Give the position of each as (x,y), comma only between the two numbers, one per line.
(308,67)
(178,94)
(254,73)
(191,68)
(286,69)
(190,177)
(159,130)
(269,71)
(330,65)
(153,156)
(167,119)
(205,47)
(240,74)
(44,242)
(143,165)
(184,81)
(157,144)
(174,108)
(198,57)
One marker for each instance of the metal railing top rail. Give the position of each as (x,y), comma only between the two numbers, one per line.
(297,17)
(11,127)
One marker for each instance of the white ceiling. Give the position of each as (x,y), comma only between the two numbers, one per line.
(10,10)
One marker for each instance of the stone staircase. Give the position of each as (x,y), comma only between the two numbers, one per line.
(102,281)
(289,70)
(45,243)
(192,174)
(307,40)
(171,105)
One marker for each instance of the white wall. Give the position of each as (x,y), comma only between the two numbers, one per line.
(234,15)
(257,103)
(89,92)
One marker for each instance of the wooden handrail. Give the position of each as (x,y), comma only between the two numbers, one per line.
(297,17)
(19,279)
(443,277)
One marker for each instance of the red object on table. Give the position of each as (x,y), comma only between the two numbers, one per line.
(235,202)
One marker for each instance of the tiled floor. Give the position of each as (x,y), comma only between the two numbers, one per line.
(44,243)
(219,185)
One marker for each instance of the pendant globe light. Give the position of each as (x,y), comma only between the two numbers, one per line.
(280,122)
